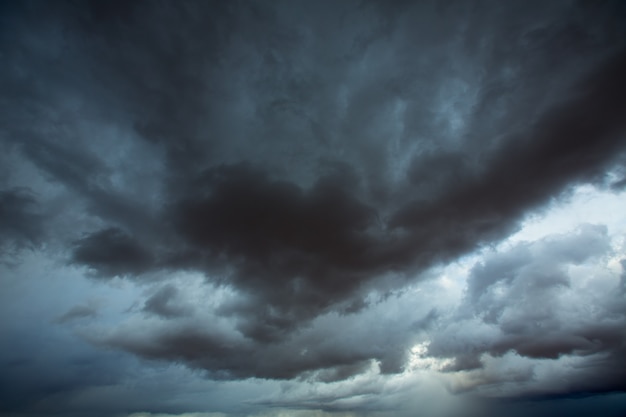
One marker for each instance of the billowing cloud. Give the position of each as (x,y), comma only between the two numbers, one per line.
(317,194)
(541,300)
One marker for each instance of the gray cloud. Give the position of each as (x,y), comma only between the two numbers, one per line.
(302,251)
(524,301)
(316,159)
(21,222)
(77,312)
(313,354)
(112,252)
(164,303)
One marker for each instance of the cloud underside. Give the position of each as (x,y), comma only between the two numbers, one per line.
(525,301)
(303,251)
(314,162)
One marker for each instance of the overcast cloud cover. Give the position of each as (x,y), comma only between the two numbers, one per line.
(312,208)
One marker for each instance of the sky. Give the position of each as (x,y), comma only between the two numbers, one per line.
(312,208)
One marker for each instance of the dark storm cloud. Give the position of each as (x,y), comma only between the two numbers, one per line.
(226,358)
(294,250)
(306,154)
(21,222)
(571,142)
(112,252)
(301,251)
(313,353)
(83,172)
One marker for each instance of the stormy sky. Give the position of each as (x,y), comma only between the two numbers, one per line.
(312,208)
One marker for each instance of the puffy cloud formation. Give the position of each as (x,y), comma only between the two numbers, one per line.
(316,195)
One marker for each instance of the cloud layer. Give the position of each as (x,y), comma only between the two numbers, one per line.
(280,188)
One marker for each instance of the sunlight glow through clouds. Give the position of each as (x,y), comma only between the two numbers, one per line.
(589,283)
(419,359)
(585,204)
